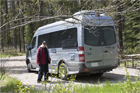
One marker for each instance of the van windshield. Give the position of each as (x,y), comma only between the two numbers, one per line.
(95,35)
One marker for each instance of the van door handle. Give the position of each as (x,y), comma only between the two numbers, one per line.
(105,51)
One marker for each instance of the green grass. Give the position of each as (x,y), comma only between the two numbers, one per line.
(10,85)
(129,63)
(14,85)
(7,84)
(105,88)
(11,52)
(11,55)
(4,55)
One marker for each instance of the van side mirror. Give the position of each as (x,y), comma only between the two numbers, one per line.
(28,47)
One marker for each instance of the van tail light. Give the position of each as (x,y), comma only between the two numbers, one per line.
(118,50)
(81,48)
(81,54)
(81,57)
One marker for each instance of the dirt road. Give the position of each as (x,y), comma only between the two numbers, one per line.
(17,68)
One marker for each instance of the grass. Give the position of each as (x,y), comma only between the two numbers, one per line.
(115,88)
(11,52)
(11,55)
(14,85)
(8,84)
(129,63)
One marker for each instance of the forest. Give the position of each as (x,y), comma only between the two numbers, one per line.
(19,19)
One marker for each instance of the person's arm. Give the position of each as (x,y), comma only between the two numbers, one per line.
(50,61)
(38,56)
(48,55)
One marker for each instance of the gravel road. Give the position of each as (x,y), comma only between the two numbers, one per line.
(17,68)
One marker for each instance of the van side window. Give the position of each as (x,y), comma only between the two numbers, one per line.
(43,37)
(55,39)
(33,44)
(69,39)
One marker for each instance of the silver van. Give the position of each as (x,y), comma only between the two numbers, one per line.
(86,43)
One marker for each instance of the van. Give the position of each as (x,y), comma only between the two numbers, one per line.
(84,44)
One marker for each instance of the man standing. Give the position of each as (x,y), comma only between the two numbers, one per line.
(42,59)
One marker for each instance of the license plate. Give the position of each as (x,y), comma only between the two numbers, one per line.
(94,64)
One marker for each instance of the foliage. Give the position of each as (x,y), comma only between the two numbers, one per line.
(129,85)
(20,88)
(131,30)
(37,8)
(130,50)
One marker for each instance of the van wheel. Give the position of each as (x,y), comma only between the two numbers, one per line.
(96,74)
(62,71)
(29,66)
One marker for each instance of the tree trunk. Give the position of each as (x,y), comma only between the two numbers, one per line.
(7,19)
(120,26)
(15,38)
(22,29)
(32,29)
(41,12)
(19,31)
(1,20)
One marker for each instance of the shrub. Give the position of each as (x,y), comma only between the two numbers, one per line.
(129,85)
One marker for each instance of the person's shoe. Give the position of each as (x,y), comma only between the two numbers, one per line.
(47,81)
(38,81)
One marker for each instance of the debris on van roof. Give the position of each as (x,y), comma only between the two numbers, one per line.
(85,17)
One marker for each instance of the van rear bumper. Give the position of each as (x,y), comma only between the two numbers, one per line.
(98,69)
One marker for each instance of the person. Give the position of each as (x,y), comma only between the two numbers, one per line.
(43,59)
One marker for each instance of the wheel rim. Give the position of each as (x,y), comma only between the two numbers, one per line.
(62,71)
(29,66)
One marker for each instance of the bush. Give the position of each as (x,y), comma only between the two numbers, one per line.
(2,68)
(20,88)
(129,85)
(129,50)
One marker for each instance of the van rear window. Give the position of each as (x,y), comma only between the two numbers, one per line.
(96,35)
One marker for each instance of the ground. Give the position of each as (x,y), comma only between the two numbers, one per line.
(17,68)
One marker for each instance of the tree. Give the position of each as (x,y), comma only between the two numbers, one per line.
(131,31)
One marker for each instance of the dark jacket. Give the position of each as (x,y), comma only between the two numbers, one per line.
(40,57)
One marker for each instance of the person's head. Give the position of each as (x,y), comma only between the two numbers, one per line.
(44,44)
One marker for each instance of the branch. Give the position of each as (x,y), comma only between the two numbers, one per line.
(32,21)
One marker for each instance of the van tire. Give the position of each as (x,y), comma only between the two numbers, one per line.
(62,71)
(29,66)
(96,74)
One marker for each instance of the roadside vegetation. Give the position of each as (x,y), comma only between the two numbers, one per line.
(129,86)
(11,52)
(8,84)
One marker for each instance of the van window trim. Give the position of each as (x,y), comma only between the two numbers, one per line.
(35,42)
